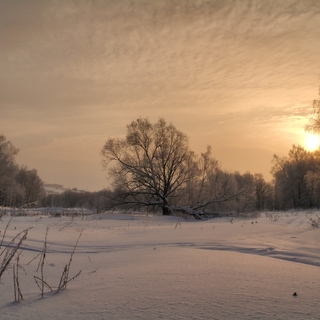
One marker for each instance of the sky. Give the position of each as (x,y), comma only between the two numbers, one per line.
(239,75)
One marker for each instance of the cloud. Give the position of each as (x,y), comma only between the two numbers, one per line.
(228,73)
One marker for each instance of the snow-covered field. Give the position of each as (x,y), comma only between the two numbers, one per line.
(151,267)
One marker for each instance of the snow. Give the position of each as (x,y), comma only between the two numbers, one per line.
(137,266)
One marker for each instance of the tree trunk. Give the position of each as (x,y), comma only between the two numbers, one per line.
(166,210)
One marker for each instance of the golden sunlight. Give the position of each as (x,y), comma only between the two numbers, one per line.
(312,142)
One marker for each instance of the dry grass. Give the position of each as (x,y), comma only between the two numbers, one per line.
(11,250)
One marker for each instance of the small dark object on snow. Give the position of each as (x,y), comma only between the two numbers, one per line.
(295,294)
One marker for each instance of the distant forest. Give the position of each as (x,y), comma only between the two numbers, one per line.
(152,169)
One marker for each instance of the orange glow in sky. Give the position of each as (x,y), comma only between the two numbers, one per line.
(237,75)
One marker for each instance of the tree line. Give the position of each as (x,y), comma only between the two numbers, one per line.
(97,201)
(19,186)
(153,169)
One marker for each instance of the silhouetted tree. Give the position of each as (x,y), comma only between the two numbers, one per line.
(154,167)
(246,200)
(9,188)
(211,189)
(290,174)
(152,164)
(312,179)
(32,186)
(314,123)
(263,193)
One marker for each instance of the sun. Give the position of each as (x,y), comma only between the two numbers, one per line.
(312,141)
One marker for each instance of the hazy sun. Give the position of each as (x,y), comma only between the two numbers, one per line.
(312,142)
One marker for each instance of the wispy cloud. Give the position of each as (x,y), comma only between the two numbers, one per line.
(228,73)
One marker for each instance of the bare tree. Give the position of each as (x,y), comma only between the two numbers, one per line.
(314,122)
(152,164)
(212,189)
(263,192)
(8,170)
(312,180)
(32,186)
(291,190)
